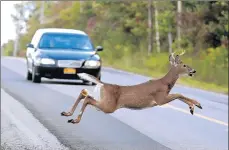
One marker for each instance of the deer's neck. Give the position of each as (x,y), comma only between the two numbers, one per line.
(170,78)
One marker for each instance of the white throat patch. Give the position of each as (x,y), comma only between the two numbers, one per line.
(97,92)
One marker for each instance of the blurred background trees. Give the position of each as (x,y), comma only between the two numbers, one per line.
(138,35)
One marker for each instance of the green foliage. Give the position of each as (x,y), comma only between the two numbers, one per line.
(165,17)
(8,48)
(70,14)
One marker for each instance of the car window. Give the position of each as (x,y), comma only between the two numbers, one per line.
(65,41)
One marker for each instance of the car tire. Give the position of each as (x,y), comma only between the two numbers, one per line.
(35,78)
(29,75)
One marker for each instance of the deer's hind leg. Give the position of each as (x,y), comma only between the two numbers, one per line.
(88,100)
(184,99)
(81,96)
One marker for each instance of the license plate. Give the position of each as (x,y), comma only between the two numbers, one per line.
(69,71)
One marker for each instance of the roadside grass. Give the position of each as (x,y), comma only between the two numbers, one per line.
(159,67)
(154,73)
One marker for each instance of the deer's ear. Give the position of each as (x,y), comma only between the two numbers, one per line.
(171,60)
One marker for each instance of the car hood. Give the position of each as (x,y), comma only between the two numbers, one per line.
(69,54)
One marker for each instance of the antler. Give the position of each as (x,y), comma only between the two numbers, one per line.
(176,58)
(183,52)
(172,54)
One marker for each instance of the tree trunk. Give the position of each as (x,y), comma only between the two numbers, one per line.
(157,28)
(16,42)
(179,10)
(150,27)
(170,41)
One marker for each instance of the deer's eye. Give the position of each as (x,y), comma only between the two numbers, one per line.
(184,65)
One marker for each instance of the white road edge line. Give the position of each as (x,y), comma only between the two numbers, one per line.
(196,114)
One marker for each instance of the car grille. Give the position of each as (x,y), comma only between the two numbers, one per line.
(70,63)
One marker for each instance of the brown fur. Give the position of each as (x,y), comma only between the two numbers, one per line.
(145,95)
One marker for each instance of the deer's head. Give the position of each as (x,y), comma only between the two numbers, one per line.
(180,67)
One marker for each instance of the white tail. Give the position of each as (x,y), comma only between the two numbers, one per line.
(96,91)
(88,77)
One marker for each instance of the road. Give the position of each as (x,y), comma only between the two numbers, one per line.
(17,131)
(162,128)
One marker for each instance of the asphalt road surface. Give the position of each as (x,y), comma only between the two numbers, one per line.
(17,128)
(158,128)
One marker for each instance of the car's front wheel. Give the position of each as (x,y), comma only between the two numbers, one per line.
(29,75)
(35,78)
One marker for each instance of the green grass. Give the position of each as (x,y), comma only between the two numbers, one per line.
(187,81)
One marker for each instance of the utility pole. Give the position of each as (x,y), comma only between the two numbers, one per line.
(150,27)
(179,10)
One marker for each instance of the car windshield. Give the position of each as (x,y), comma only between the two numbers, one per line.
(65,41)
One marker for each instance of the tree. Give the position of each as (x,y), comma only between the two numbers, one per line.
(157,27)
(149,26)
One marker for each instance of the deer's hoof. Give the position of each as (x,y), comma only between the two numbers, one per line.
(191,111)
(70,121)
(65,114)
(199,106)
(73,121)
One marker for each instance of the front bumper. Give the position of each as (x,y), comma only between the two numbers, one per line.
(58,72)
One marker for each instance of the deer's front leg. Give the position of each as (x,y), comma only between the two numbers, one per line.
(81,96)
(87,100)
(184,99)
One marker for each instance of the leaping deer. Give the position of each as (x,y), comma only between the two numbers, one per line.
(154,92)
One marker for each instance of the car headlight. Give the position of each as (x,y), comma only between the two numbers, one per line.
(92,64)
(47,61)
(44,61)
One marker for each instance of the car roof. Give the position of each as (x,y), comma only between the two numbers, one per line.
(61,30)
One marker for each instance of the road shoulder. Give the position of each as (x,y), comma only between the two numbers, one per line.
(20,130)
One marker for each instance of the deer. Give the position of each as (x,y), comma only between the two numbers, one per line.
(151,93)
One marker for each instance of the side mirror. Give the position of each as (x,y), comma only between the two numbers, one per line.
(99,48)
(30,45)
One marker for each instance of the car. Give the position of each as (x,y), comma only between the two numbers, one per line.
(57,53)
